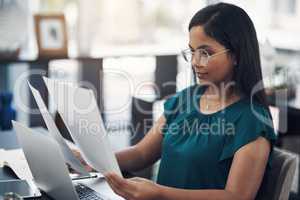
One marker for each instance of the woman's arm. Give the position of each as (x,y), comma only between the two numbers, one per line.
(145,153)
(139,156)
(243,182)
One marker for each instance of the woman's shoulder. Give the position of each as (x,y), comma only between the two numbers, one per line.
(251,121)
(254,110)
(248,114)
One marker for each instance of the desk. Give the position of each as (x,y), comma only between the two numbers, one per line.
(8,140)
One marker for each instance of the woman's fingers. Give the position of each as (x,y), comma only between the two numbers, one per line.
(88,168)
(79,157)
(117,189)
(120,185)
(122,182)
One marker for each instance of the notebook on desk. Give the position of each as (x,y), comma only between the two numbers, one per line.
(16,161)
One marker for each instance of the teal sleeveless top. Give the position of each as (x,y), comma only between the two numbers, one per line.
(198,148)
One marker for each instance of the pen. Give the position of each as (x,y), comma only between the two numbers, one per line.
(85,177)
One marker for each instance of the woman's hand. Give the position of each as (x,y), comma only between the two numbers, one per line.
(133,188)
(79,157)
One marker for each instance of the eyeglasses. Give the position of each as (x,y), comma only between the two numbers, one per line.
(201,55)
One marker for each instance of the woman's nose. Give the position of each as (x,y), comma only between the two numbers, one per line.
(195,63)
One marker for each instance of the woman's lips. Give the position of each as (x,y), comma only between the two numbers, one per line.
(201,75)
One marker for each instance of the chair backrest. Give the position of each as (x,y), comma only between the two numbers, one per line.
(277,185)
(141,119)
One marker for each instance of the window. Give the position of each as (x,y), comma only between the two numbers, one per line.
(287,7)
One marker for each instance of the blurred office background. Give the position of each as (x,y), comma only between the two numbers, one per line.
(129,49)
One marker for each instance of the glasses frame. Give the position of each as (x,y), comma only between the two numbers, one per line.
(204,58)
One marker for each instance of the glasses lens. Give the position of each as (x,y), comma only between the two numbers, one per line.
(187,55)
(201,56)
(201,53)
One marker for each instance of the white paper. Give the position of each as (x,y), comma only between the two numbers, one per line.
(2,152)
(79,111)
(15,159)
(54,132)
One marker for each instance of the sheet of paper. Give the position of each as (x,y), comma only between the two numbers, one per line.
(79,111)
(54,132)
(15,159)
(2,152)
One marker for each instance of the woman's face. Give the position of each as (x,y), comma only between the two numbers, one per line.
(219,68)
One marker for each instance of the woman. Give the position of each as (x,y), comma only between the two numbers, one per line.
(215,138)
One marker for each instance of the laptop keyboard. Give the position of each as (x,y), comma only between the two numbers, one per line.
(86,193)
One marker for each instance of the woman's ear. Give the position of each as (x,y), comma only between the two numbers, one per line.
(235,63)
(234,60)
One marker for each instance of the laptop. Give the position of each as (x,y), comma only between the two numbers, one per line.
(48,168)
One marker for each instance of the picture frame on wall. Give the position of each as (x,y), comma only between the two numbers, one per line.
(51,35)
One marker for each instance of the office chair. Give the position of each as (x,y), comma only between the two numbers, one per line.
(277,185)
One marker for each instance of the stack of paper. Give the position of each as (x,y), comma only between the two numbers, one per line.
(79,111)
(54,132)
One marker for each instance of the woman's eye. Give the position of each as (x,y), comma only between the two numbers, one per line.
(209,52)
(203,53)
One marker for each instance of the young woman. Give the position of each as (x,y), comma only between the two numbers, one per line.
(215,138)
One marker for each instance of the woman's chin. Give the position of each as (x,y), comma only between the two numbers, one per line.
(203,81)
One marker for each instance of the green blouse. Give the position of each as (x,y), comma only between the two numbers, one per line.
(198,148)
